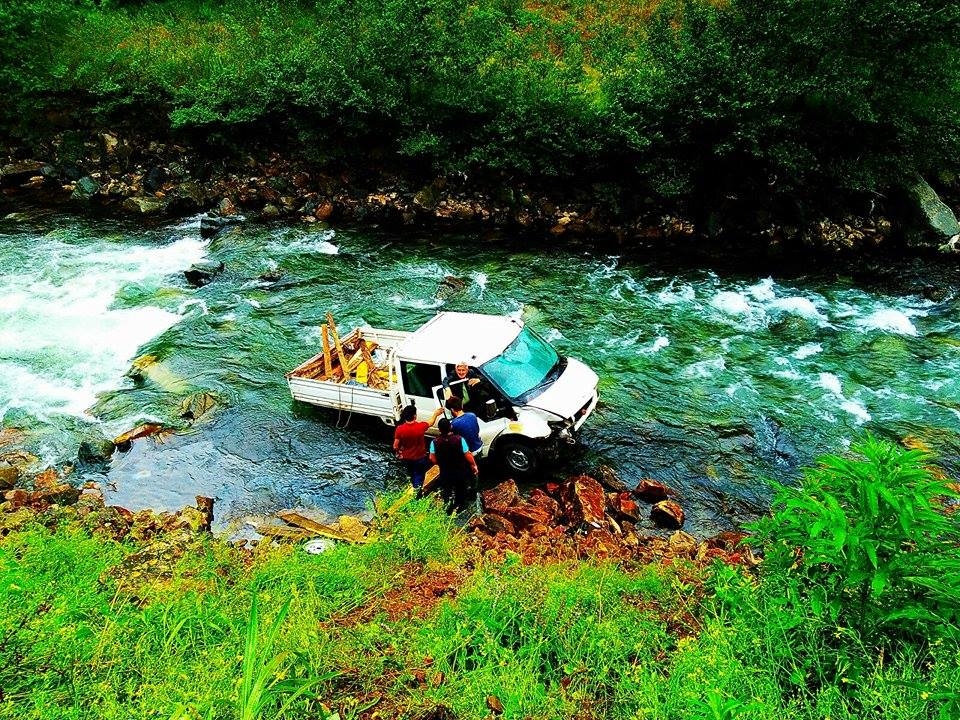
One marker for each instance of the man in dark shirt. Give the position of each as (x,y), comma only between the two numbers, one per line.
(461,378)
(458,469)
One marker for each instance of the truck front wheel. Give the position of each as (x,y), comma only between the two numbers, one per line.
(518,457)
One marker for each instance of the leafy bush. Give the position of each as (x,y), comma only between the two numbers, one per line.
(866,544)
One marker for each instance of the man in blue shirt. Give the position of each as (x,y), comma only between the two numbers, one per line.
(466,425)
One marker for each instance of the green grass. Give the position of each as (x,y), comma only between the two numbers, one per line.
(285,634)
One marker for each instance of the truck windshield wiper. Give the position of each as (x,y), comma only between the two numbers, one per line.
(554,372)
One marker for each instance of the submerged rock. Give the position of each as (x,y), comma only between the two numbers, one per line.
(201,274)
(211,225)
(95,450)
(449,287)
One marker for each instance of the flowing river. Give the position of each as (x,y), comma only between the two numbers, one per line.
(714,381)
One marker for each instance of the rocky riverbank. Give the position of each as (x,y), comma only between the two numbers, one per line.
(118,174)
(578,518)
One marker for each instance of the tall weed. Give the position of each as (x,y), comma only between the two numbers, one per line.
(865,541)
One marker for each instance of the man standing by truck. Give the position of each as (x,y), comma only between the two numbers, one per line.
(458,469)
(410,446)
(466,425)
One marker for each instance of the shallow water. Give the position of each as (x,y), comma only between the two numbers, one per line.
(713,381)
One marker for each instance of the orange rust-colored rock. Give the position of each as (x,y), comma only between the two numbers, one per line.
(650,490)
(492,524)
(546,503)
(524,514)
(586,502)
(46,480)
(623,506)
(668,514)
(146,430)
(499,498)
(17,498)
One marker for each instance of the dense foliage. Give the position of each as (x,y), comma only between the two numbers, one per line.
(690,98)
(93,627)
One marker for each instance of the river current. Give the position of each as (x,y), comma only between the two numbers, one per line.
(713,380)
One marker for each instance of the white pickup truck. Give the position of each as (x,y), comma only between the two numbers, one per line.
(530,399)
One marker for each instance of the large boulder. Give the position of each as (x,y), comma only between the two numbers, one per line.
(586,502)
(936,222)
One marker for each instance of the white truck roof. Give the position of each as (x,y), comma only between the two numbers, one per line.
(454,336)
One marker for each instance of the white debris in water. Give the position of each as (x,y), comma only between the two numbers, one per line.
(805,351)
(857,409)
(416,303)
(804,307)
(763,290)
(671,296)
(297,241)
(481,279)
(191,303)
(787,374)
(830,382)
(656,346)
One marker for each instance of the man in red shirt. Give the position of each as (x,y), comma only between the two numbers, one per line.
(409,445)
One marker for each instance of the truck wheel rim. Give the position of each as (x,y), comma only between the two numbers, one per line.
(518,459)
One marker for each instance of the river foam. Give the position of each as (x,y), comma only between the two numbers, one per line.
(65,321)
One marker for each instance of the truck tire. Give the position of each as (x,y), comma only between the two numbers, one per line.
(517,457)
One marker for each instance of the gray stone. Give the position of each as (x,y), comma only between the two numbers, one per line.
(85,188)
(934,215)
(155,179)
(95,450)
(143,205)
(211,225)
(200,274)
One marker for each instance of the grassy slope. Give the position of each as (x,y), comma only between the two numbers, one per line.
(417,620)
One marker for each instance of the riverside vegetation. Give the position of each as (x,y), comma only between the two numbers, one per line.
(853,614)
(793,107)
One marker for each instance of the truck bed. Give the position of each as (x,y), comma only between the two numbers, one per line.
(309,382)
